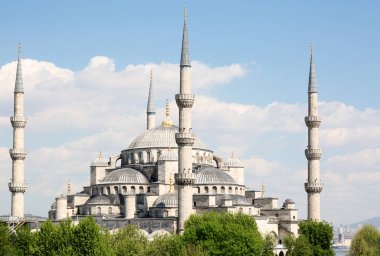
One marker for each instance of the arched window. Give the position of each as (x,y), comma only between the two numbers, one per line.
(133,190)
(222,190)
(98,210)
(116,189)
(214,190)
(124,189)
(141,189)
(109,210)
(206,189)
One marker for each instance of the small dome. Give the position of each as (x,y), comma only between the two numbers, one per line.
(169,155)
(167,200)
(100,161)
(233,161)
(159,137)
(212,175)
(99,199)
(289,201)
(125,175)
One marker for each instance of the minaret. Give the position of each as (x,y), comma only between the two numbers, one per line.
(313,185)
(150,109)
(185,177)
(17,185)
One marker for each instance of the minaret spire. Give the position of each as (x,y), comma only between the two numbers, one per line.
(185,177)
(17,185)
(150,109)
(313,185)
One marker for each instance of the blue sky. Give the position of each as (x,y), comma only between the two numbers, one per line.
(269,42)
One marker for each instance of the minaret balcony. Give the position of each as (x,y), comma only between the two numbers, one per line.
(185,100)
(17,153)
(312,121)
(17,187)
(18,121)
(185,178)
(313,154)
(313,187)
(185,139)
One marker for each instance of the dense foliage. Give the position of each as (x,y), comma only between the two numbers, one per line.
(224,234)
(366,242)
(208,234)
(315,239)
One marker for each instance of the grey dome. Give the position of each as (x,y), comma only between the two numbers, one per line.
(159,137)
(125,175)
(100,199)
(169,155)
(100,161)
(213,176)
(233,162)
(167,200)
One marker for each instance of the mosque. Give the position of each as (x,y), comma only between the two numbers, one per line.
(166,174)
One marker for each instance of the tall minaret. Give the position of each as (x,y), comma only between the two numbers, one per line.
(313,185)
(17,185)
(185,177)
(150,109)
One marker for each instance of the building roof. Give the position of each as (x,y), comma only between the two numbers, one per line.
(167,200)
(211,175)
(159,137)
(125,175)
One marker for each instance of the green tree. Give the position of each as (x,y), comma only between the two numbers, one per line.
(319,235)
(224,234)
(366,242)
(6,246)
(128,241)
(298,246)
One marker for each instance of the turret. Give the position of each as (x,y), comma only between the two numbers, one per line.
(185,138)
(150,109)
(17,186)
(313,185)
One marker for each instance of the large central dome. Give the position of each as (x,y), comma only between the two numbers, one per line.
(159,137)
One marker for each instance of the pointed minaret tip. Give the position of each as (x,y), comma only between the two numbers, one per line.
(185,58)
(19,88)
(312,78)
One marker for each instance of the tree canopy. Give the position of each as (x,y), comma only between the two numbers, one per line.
(224,234)
(366,242)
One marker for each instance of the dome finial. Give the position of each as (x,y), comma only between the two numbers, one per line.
(167,121)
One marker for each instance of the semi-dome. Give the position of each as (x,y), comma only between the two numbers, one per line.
(167,200)
(212,175)
(99,199)
(233,161)
(125,175)
(162,136)
(169,155)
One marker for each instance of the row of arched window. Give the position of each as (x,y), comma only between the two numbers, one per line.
(114,190)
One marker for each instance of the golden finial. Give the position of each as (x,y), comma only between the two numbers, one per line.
(262,189)
(167,121)
(171,184)
(68,186)
(185,12)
